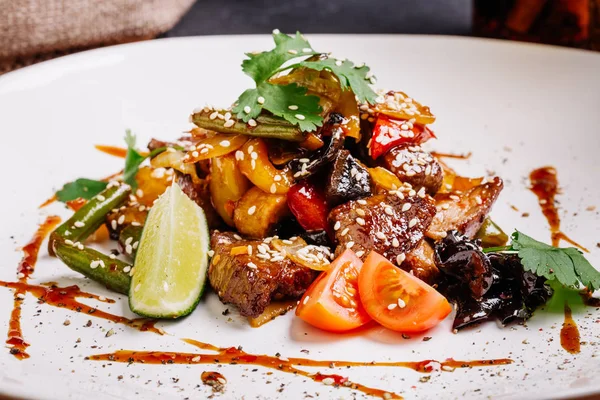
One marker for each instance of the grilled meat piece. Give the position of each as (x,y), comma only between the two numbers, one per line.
(415,166)
(249,281)
(199,193)
(464,212)
(421,262)
(348,180)
(391,224)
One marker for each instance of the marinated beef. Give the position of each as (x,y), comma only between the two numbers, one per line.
(421,262)
(391,224)
(348,180)
(415,166)
(252,280)
(464,212)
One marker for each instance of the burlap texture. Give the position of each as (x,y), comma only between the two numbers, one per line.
(35,30)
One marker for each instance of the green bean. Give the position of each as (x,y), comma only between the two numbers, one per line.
(130,235)
(267,127)
(65,241)
(91,216)
(113,273)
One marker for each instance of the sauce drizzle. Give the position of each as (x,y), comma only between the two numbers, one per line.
(450,155)
(544,183)
(569,334)
(24,270)
(233,355)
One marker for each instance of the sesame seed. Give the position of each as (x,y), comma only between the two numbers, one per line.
(276,31)
(305,300)
(421,192)
(277,178)
(79,224)
(100,197)
(260,100)
(328,381)
(252,122)
(392,306)
(94,264)
(411,173)
(478,200)
(135,245)
(195,153)
(129,240)
(395,242)
(247,109)
(400,258)
(412,222)
(304,160)
(237,237)
(349,245)
(249,250)
(126,269)
(273,188)
(362,202)
(388,210)
(213,115)
(112,256)
(337,225)
(211,253)
(128,249)
(139,193)
(225,143)
(454,197)
(251,265)
(239,155)
(406,207)
(229,123)
(121,220)
(293,107)
(69,242)
(300,117)
(360,253)
(411,193)
(360,221)
(380,235)
(253,164)
(345,231)
(80,246)
(251,210)
(20,275)
(292,51)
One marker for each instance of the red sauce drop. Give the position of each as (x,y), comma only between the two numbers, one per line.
(233,355)
(544,183)
(24,270)
(569,334)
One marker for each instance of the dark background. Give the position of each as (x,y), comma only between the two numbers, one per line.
(210,17)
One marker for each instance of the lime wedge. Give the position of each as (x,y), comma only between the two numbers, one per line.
(172,258)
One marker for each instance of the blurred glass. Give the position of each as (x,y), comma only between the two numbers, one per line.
(574,23)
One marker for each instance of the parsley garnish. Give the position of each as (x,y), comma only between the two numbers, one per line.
(567,265)
(291,102)
(81,188)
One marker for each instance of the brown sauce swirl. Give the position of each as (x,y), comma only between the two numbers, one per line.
(569,333)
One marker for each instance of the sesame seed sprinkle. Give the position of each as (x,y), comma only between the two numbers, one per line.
(252,122)
(380,235)
(251,210)
(349,245)
(360,221)
(345,231)
(406,207)
(247,109)
(388,210)
(273,188)
(260,100)
(412,222)
(79,224)
(400,258)
(293,107)
(300,117)
(337,225)
(225,143)
(229,123)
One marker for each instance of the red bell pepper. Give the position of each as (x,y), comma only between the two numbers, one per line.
(389,133)
(307,202)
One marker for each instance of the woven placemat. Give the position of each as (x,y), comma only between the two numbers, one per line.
(36,30)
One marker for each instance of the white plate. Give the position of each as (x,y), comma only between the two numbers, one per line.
(515,106)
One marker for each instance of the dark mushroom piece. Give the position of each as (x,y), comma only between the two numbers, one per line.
(348,180)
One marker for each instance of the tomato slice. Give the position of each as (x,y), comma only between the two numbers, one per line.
(332,302)
(307,203)
(398,300)
(389,133)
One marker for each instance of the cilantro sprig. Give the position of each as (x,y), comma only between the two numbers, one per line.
(87,188)
(567,265)
(291,101)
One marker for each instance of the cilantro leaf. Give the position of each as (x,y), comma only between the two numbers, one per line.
(350,76)
(262,66)
(82,187)
(277,99)
(133,160)
(566,265)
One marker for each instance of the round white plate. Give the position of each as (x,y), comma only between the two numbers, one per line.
(514,106)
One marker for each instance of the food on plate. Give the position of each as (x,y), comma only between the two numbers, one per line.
(313,188)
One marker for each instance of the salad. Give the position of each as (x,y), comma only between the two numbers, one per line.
(311,191)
